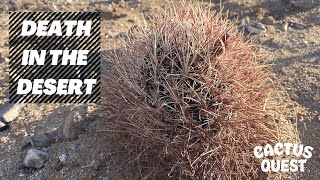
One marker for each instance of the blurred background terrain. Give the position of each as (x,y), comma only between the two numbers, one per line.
(289,34)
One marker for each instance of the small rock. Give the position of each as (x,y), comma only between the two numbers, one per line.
(260,12)
(306,4)
(294,97)
(63,158)
(42,140)
(122,4)
(256,28)
(122,35)
(297,26)
(245,21)
(306,43)
(90,9)
(21,174)
(70,129)
(74,147)
(284,26)
(39,177)
(109,34)
(287,1)
(35,159)
(268,20)
(3,124)
(132,20)
(26,6)
(12,6)
(10,111)
(98,1)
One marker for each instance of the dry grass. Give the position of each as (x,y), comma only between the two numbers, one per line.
(187,99)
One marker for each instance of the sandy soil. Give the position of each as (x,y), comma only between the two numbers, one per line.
(294,55)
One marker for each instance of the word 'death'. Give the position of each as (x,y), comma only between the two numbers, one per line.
(43,29)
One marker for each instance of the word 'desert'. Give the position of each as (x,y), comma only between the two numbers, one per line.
(64,86)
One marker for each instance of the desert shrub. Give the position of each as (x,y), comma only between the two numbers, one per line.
(186,98)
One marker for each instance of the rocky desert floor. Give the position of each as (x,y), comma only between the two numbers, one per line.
(68,139)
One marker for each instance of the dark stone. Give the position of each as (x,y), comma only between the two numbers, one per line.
(35,159)
(42,140)
(3,124)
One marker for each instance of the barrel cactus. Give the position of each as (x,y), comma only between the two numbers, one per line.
(186,97)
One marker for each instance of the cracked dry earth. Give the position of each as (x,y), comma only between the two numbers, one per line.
(293,52)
